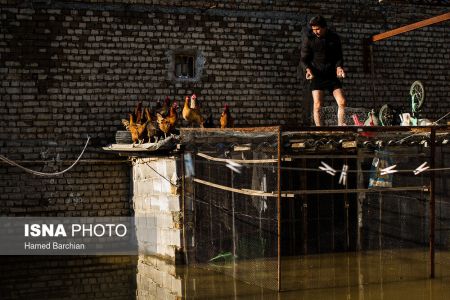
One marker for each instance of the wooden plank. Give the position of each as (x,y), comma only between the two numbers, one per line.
(410,27)
(371,190)
(271,129)
(241,191)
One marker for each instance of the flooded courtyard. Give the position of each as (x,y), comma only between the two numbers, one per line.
(373,275)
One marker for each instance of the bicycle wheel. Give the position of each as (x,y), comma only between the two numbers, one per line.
(386,115)
(417,93)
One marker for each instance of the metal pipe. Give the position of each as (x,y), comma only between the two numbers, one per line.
(304,210)
(233,223)
(346,204)
(372,72)
(432,199)
(279,208)
(183,209)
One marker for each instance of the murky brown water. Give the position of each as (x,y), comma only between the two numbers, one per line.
(372,275)
(394,274)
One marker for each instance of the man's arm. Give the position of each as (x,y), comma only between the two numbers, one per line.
(339,58)
(338,51)
(306,57)
(305,54)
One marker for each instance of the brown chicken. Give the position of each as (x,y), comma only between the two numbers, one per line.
(151,128)
(137,130)
(226,120)
(168,123)
(138,112)
(192,116)
(126,124)
(165,108)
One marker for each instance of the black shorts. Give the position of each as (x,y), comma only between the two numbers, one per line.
(328,83)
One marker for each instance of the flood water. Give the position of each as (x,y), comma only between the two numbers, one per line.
(375,275)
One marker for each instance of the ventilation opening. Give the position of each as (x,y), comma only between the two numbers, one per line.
(184,66)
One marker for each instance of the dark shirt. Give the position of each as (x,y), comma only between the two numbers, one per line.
(322,55)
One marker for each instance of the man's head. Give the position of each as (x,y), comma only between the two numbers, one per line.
(318,26)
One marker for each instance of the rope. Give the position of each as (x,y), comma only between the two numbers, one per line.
(162,176)
(46,174)
(337,171)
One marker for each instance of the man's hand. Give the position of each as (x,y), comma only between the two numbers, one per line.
(340,72)
(309,74)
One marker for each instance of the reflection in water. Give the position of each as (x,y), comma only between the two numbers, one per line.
(67,277)
(379,275)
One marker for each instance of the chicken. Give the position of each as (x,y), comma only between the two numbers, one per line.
(209,122)
(138,112)
(192,116)
(165,108)
(173,115)
(193,101)
(226,120)
(152,131)
(137,130)
(168,123)
(126,124)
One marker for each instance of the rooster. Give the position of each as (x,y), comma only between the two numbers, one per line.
(165,108)
(226,120)
(209,122)
(151,129)
(168,123)
(137,115)
(193,101)
(192,116)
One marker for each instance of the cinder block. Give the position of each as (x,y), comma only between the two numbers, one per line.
(174,203)
(157,187)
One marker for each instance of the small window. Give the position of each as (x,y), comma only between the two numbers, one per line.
(184,66)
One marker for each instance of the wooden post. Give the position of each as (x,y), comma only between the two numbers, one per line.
(410,27)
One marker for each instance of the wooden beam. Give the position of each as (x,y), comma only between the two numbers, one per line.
(410,27)
(361,190)
(240,161)
(248,192)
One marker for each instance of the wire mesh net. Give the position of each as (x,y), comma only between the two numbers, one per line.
(231,202)
(442,211)
(343,220)
(368,228)
(329,115)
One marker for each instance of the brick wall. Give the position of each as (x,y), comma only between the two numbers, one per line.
(69,69)
(68,277)
(89,189)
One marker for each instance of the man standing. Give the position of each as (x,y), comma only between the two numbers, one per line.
(321,57)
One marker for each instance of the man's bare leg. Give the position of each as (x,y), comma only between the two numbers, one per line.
(318,100)
(341,102)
